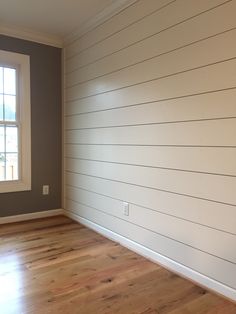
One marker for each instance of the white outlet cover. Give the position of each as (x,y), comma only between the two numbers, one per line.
(126,208)
(45,189)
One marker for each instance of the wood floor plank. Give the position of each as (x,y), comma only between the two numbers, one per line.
(55,265)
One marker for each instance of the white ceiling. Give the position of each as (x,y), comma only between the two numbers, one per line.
(53,17)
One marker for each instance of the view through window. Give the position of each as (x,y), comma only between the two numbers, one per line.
(9,127)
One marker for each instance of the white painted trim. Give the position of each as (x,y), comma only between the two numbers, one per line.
(30,216)
(173,266)
(26,34)
(63,117)
(98,19)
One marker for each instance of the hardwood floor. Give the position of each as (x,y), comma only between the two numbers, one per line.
(55,265)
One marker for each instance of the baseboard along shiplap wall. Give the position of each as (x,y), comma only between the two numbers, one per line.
(170,264)
(150,119)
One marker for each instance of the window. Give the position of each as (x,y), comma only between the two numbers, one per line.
(15,143)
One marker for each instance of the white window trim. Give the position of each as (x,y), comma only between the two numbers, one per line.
(23,63)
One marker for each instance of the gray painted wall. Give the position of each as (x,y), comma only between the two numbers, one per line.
(45,63)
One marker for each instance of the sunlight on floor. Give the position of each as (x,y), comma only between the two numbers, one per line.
(10,284)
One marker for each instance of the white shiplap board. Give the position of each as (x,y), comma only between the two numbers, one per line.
(183,84)
(196,184)
(206,106)
(188,33)
(219,132)
(150,119)
(205,212)
(172,157)
(190,57)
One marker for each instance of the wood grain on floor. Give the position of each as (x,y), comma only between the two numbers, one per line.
(55,265)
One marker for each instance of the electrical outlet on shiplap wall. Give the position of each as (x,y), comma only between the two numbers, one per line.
(150,121)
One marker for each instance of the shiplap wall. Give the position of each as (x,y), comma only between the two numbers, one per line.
(150,119)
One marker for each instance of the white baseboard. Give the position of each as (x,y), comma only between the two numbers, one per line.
(30,216)
(171,265)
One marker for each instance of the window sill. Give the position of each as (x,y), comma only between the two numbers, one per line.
(14,186)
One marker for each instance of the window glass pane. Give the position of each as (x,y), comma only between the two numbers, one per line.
(2,139)
(9,83)
(1,79)
(1,107)
(11,166)
(10,108)
(2,167)
(11,139)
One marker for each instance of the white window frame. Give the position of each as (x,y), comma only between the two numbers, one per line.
(22,63)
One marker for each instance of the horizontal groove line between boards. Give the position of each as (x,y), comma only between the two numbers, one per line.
(153,101)
(76,214)
(154,210)
(149,187)
(147,37)
(96,26)
(221,258)
(154,79)
(150,145)
(154,167)
(150,123)
(150,58)
(127,26)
